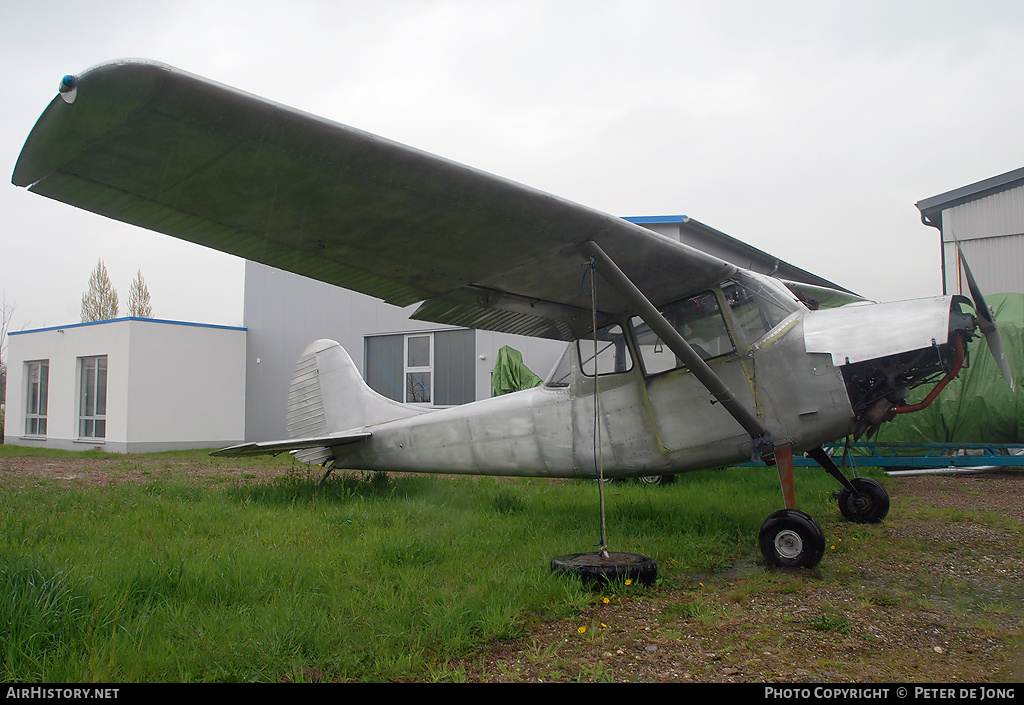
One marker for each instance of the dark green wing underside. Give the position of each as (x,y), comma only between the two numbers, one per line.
(165,150)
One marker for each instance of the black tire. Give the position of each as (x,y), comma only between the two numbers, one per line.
(870,507)
(596,569)
(657,479)
(792,539)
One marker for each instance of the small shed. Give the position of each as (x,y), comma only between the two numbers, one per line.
(126,385)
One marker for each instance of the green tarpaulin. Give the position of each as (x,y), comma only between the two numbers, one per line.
(977,406)
(510,374)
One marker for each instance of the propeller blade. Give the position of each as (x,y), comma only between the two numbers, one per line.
(987,322)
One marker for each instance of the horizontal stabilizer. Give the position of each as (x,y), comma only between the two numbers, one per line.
(276,447)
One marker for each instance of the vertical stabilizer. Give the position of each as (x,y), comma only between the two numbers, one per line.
(328,395)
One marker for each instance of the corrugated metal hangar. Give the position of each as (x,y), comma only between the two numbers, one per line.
(986,221)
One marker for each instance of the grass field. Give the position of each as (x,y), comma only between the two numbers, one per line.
(210,576)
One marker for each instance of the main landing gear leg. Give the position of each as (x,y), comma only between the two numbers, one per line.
(784,464)
(790,538)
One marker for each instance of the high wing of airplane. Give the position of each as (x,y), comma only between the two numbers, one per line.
(230,171)
(677,359)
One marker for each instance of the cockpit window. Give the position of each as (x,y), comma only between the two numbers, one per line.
(612,352)
(698,319)
(758,304)
(561,375)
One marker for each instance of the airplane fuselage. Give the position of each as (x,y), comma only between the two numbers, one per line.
(549,431)
(652,421)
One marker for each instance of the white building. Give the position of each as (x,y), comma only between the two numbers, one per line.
(126,385)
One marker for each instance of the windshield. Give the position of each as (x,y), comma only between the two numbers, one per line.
(758,303)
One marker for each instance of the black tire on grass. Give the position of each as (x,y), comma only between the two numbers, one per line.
(791,538)
(594,568)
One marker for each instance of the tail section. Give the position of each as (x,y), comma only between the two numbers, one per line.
(328,396)
(329,405)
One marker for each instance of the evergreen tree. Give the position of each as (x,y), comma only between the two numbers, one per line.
(99,302)
(139,305)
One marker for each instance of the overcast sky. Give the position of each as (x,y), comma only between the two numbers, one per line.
(808,129)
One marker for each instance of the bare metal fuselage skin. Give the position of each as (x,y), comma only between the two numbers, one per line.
(649,424)
(550,432)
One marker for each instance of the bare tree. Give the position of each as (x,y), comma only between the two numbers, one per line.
(139,305)
(6,314)
(99,302)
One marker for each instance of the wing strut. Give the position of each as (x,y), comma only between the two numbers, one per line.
(678,345)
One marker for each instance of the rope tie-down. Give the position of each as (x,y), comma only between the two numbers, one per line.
(603,566)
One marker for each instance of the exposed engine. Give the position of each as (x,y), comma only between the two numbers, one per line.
(879,388)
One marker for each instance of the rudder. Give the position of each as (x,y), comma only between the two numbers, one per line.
(328,395)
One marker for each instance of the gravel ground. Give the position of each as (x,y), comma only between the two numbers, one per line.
(931,600)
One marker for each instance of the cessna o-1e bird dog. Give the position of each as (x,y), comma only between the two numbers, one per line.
(695,362)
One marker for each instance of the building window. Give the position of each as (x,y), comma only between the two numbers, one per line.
(423,368)
(418,386)
(37,373)
(92,397)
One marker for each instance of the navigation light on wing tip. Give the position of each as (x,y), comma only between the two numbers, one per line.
(68,88)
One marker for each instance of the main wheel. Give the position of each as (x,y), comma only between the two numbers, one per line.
(657,479)
(792,539)
(870,507)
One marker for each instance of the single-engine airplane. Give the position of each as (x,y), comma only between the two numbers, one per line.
(677,360)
